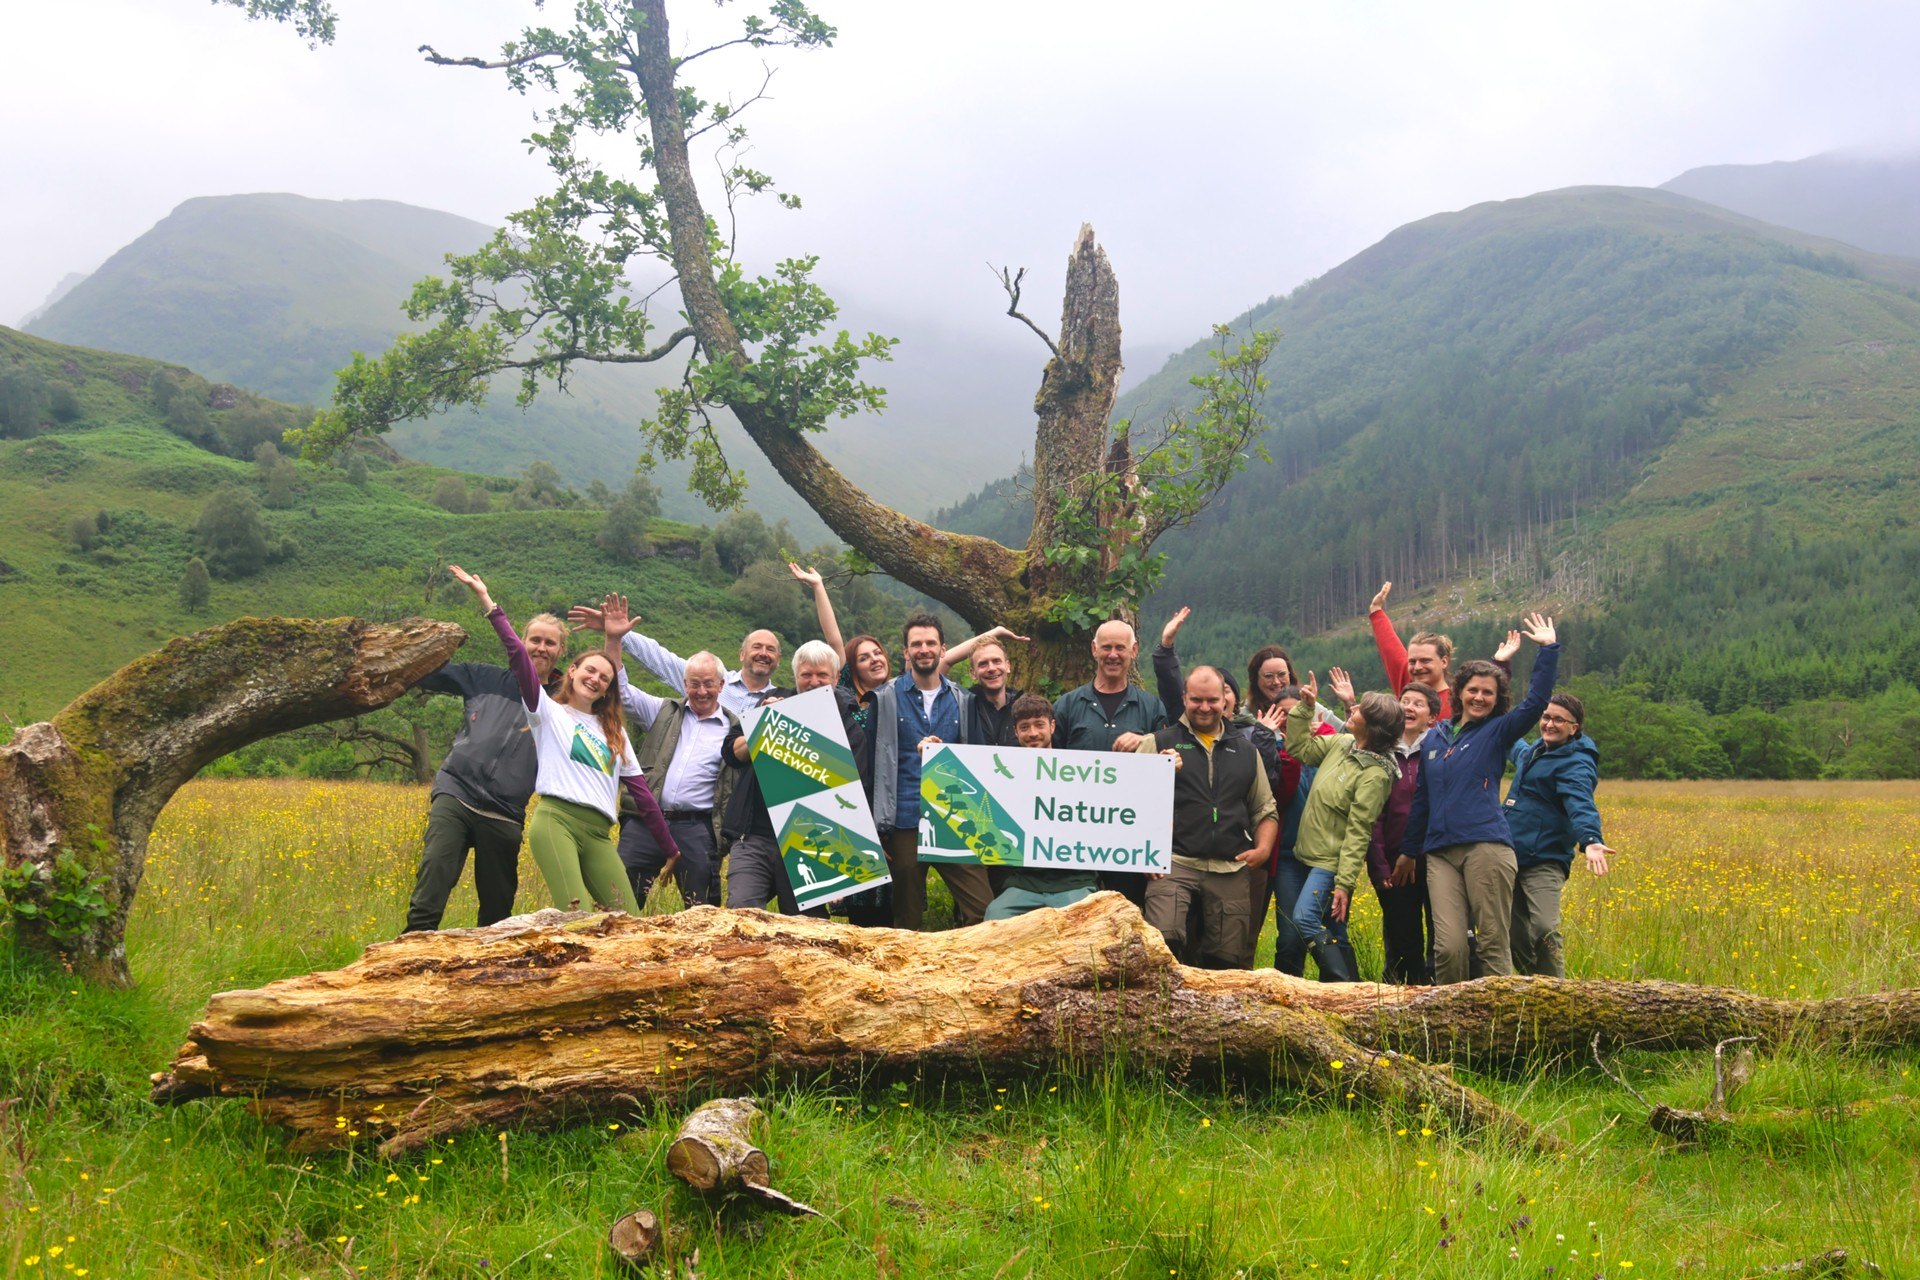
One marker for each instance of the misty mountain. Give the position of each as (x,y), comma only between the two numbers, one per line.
(275,292)
(1869,201)
(1560,398)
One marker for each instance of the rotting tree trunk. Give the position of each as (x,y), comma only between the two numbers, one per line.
(554,1018)
(91,781)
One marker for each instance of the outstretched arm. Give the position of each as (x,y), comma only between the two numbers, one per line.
(1546,665)
(517,660)
(822,607)
(617,622)
(668,667)
(1393,654)
(1303,744)
(964,650)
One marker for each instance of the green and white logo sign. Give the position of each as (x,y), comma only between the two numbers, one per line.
(1016,807)
(812,788)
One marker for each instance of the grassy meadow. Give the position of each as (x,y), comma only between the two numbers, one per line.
(1788,889)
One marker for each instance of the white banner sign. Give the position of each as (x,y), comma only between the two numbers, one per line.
(1020,807)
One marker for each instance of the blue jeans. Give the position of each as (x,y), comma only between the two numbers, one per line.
(1289,948)
(1310,917)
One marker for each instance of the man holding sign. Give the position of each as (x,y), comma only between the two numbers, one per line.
(1225,824)
(802,832)
(1031,888)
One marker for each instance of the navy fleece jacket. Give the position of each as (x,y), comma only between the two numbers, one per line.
(1457,800)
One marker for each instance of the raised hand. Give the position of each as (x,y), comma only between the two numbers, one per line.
(1508,647)
(1273,718)
(1342,684)
(1310,691)
(1007,633)
(1172,629)
(1380,597)
(809,575)
(587,617)
(1540,629)
(474,585)
(614,618)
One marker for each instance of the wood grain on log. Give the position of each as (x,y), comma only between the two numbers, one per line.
(714,1149)
(552,1018)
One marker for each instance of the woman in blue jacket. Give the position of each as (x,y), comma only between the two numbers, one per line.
(1551,814)
(1456,827)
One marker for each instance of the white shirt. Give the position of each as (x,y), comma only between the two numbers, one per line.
(671,669)
(693,773)
(575,763)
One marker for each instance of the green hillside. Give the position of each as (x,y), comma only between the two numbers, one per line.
(275,292)
(1578,399)
(69,616)
(1865,200)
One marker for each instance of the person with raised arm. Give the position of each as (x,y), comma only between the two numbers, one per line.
(1427,656)
(740,690)
(1456,826)
(1551,813)
(822,607)
(479,797)
(1355,772)
(584,758)
(992,688)
(679,754)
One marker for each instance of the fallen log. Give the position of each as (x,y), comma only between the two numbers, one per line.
(79,793)
(553,1018)
(549,1017)
(633,1237)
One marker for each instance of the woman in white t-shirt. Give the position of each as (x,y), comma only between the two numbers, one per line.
(580,739)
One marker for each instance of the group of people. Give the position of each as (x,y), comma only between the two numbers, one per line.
(1279,801)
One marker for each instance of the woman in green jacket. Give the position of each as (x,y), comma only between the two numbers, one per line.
(1356,774)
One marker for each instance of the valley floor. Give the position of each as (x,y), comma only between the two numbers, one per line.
(1787,889)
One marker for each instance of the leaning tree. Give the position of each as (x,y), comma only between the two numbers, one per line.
(558,288)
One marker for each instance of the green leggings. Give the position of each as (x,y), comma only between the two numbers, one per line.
(573,847)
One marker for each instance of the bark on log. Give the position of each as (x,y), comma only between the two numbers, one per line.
(91,781)
(553,1018)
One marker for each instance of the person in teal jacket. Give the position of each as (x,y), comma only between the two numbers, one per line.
(1356,772)
(1551,813)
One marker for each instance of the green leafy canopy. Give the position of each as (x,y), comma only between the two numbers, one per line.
(562,282)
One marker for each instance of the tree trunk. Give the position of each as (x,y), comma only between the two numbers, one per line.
(556,1018)
(91,781)
(983,581)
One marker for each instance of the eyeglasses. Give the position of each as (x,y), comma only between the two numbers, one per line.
(1558,720)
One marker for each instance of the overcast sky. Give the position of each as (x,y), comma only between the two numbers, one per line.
(1224,152)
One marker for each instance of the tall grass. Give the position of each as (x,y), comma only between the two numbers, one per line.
(1795,891)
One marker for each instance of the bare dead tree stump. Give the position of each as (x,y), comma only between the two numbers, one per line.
(89,783)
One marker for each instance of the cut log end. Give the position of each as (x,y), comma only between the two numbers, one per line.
(714,1150)
(634,1237)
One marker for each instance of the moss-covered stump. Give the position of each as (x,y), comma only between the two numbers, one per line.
(554,1018)
(79,794)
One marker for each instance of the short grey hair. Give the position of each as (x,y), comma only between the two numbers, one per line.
(707,659)
(815,653)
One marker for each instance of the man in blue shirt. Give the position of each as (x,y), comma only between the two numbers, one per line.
(918,708)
